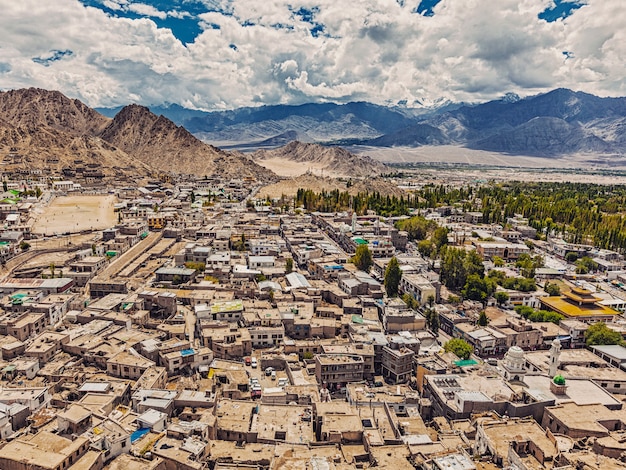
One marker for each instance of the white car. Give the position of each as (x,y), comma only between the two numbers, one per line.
(253,363)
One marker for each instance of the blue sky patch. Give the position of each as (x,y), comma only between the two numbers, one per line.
(561,10)
(308,16)
(52,56)
(426,7)
(179,16)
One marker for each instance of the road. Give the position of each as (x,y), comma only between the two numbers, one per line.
(123,260)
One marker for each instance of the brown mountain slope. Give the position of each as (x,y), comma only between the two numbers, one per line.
(41,129)
(38,147)
(37,107)
(161,144)
(334,161)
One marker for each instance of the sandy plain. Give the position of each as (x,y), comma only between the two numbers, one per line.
(72,214)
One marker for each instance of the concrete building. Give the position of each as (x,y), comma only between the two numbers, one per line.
(335,371)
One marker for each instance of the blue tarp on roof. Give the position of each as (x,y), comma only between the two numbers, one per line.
(138,434)
(187,352)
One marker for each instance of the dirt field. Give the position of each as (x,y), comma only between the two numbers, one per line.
(76,213)
(456,154)
(288,168)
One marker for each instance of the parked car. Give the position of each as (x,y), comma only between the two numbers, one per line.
(253,362)
(247,360)
(269,371)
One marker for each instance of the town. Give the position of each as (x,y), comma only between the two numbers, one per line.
(191,323)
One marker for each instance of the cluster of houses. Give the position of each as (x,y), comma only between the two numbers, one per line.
(207,329)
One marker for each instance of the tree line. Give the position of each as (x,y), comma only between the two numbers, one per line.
(580,212)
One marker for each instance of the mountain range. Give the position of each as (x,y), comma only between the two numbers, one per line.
(560,122)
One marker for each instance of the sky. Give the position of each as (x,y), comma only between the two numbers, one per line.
(223,54)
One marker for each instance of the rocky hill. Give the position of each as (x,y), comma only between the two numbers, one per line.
(334,161)
(46,131)
(41,129)
(161,144)
(33,107)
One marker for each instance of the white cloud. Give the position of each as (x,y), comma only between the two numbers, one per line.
(147,10)
(376,51)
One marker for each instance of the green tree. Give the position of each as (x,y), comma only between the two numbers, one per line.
(416,227)
(538,315)
(552,289)
(52,270)
(501,297)
(498,262)
(440,237)
(362,259)
(528,264)
(425,248)
(289,265)
(393,274)
(477,288)
(454,299)
(599,333)
(460,347)
(483,319)
(585,264)
(197,265)
(24,246)
(432,320)
(571,257)
(410,301)
(457,264)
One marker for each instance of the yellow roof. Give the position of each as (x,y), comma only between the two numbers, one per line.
(569,309)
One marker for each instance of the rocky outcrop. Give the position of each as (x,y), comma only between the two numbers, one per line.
(334,160)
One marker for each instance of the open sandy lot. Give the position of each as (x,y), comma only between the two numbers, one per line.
(76,213)
(289,168)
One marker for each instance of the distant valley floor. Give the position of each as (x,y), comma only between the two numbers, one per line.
(460,155)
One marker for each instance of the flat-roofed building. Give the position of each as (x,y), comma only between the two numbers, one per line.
(42,451)
(504,250)
(581,421)
(397,364)
(525,436)
(336,370)
(127,365)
